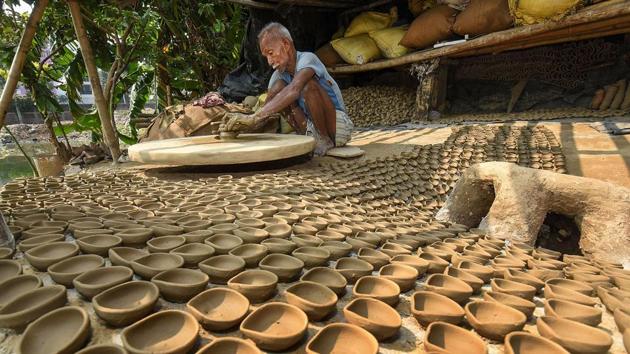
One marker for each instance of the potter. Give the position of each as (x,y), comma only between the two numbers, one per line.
(300,88)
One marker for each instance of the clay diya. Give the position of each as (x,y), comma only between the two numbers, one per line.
(330,235)
(43,256)
(449,286)
(166,230)
(342,338)
(403,275)
(377,288)
(193,253)
(229,345)
(421,265)
(18,285)
(525,306)
(612,300)
(126,303)
(165,244)
(221,268)
(316,300)
(26,245)
(169,331)
(474,282)
(98,244)
(524,278)
(574,336)
(9,269)
(93,282)
(41,231)
(218,309)
(223,243)
(353,269)
(256,285)
(374,316)
(180,285)
(250,222)
(622,318)
(327,277)
(442,337)
(135,236)
(284,266)
(572,311)
(513,288)
(428,307)
(279,230)
(65,271)
(560,293)
(251,234)
(150,265)
(337,249)
(494,320)
(374,257)
(312,256)
(197,236)
(275,326)
(279,245)
(103,349)
(6,252)
(123,256)
(31,305)
(527,343)
(64,330)
(195,225)
(252,254)
(306,240)
(436,264)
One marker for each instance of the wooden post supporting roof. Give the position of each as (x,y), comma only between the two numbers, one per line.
(20,57)
(109,133)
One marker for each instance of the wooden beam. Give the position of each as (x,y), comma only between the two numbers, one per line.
(585,17)
(15,72)
(109,134)
(300,3)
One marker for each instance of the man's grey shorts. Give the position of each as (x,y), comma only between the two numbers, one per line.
(345,127)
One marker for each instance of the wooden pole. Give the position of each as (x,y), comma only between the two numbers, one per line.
(109,134)
(20,57)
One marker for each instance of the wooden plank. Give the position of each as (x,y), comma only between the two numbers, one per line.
(584,17)
(302,3)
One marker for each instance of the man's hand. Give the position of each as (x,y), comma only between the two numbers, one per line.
(237,122)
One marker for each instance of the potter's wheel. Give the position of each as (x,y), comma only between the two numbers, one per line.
(210,150)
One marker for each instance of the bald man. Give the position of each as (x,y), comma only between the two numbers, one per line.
(300,87)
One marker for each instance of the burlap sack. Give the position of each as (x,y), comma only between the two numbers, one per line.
(181,121)
(430,27)
(483,17)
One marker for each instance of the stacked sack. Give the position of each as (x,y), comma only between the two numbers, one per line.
(449,17)
(613,96)
(368,37)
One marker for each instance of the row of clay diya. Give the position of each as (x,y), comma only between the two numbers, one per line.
(501,286)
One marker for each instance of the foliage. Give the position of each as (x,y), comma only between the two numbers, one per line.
(184,47)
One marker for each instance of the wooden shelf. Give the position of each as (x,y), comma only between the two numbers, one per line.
(604,19)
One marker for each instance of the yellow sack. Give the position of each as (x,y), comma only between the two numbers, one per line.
(359,49)
(371,21)
(387,41)
(529,12)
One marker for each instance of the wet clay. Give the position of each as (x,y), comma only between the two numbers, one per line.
(63,331)
(126,303)
(219,309)
(374,316)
